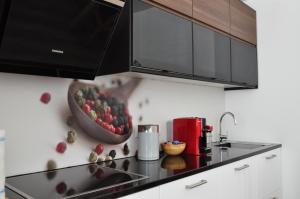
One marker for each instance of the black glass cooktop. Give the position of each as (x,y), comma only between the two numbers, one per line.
(72,182)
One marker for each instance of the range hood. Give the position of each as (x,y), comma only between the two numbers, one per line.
(88,38)
(64,38)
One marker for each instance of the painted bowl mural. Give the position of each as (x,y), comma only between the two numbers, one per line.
(102,113)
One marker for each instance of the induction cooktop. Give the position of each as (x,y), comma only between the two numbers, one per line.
(72,182)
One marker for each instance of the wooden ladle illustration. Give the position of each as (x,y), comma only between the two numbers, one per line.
(89,126)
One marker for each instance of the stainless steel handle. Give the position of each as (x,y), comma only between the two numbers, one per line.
(271,157)
(242,167)
(197,184)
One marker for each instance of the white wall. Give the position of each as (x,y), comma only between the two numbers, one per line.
(272,113)
(33,129)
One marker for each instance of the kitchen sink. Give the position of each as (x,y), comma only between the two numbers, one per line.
(240,145)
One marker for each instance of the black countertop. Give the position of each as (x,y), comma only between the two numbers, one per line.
(167,169)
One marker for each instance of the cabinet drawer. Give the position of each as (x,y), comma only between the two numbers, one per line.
(269,172)
(147,194)
(204,185)
(239,180)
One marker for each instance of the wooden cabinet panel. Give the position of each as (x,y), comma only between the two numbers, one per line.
(183,6)
(243,21)
(215,13)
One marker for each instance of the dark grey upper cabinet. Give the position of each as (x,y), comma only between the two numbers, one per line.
(150,40)
(211,54)
(244,63)
(161,41)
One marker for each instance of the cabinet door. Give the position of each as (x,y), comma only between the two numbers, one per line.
(203,185)
(162,41)
(211,54)
(213,12)
(147,194)
(269,172)
(244,63)
(239,180)
(243,21)
(183,6)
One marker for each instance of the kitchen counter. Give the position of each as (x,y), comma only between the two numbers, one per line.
(167,169)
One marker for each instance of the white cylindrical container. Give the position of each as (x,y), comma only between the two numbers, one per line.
(2,172)
(148,146)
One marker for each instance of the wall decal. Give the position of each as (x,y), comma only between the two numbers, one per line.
(102,113)
(45,98)
(42,126)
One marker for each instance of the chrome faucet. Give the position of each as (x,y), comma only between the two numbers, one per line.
(222,136)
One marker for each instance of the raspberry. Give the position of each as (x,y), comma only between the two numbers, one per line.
(118,131)
(108,110)
(105,125)
(86,108)
(99,121)
(45,98)
(112,129)
(99,149)
(108,118)
(90,103)
(61,147)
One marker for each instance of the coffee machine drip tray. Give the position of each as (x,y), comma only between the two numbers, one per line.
(73,182)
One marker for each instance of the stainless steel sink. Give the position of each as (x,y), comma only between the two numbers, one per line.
(240,145)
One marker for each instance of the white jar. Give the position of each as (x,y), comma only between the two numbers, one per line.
(148,146)
(2,169)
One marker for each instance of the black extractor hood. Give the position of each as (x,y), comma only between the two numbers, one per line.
(64,38)
(88,38)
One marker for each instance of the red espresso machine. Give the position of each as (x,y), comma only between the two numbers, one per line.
(193,131)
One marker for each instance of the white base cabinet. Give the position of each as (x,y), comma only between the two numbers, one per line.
(203,185)
(257,177)
(239,180)
(152,193)
(269,174)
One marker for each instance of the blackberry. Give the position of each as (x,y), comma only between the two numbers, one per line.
(115,110)
(110,101)
(126,149)
(126,129)
(115,123)
(112,154)
(121,120)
